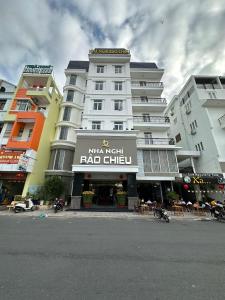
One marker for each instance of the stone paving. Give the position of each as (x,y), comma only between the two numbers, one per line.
(89,214)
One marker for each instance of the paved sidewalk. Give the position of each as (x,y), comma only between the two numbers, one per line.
(49,213)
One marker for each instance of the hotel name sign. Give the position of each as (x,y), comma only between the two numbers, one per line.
(105,151)
(109,51)
(38,69)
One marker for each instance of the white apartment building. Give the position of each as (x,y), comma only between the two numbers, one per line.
(197,117)
(112,120)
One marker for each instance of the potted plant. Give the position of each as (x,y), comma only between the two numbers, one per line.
(121,199)
(172,196)
(87,198)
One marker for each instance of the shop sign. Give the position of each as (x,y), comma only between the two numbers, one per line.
(105,151)
(38,69)
(10,157)
(23,162)
(109,51)
(203,178)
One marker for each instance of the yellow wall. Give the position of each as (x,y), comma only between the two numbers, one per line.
(36,178)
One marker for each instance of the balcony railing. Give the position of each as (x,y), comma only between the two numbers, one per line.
(151,119)
(138,100)
(155,141)
(20,139)
(146,84)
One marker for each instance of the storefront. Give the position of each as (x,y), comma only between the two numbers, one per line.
(105,170)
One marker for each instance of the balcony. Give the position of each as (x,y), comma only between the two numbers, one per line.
(142,104)
(151,122)
(147,88)
(222,122)
(40,96)
(150,142)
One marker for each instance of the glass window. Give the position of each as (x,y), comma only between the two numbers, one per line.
(67,113)
(96,125)
(118,105)
(172,161)
(2,104)
(97,105)
(20,132)
(144,99)
(59,159)
(99,85)
(8,129)
(30,132)
(196,124)
(118,85)
(148,138)
(118,126)
(201,145)
(178,137)
(73,79)
(70,95)
(63,133)
(118,69)
(23,105)
(146,118)
(100,69)
(164,164)
(147,161)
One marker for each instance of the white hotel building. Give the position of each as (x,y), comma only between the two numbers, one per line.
(112,134)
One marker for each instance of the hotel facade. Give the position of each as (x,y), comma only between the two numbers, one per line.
(28,127)
(111,135)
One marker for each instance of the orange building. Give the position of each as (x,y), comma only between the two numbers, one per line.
(29,128)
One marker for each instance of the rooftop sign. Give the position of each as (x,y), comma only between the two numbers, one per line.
(38,69)
(118,51)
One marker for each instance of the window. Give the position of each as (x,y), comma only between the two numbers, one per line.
(196,147)
(67,113)
(73,79)
(118,105)
(142,83)
(8,130)
(59,159)
(178,137)
(2,104)
(118,85)
(118,69)
(201,146)
(100,69)
(30,132)
(23,105)
(144,99)
(70,95)
(99,85)
(195,122)
(96,125)
(148,138)
(63,133)
(146,117)
(97,105)
(118,126)
(20,132)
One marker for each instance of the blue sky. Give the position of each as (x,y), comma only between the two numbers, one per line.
(183,37)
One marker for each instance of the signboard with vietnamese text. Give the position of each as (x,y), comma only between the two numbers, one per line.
(96,150)
(38,69)
(10,157)
(203,178)
(109,51)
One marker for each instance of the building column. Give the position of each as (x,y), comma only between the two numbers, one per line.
(77,189)
(132,191)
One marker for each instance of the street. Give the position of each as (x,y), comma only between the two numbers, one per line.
(97,258)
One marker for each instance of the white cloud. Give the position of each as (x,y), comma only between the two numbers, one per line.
(183,37)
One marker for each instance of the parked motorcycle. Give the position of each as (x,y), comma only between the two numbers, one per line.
(161,213)
(58,206)
(219,212)
(28,205)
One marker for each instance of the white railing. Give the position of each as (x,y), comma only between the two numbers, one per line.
(138,100)
(155,141)
(152,119)
(146,84)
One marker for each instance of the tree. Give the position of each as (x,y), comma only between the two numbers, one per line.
(54,187)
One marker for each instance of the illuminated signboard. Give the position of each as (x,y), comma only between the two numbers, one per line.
(38,69)
(204,178)
(109,51)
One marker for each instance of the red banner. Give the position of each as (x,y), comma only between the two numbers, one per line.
(10,157)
